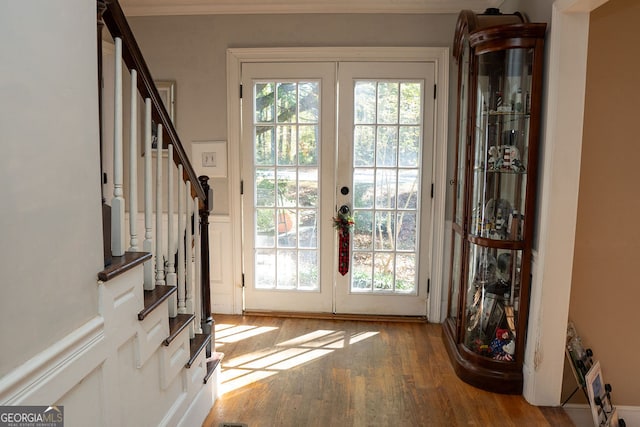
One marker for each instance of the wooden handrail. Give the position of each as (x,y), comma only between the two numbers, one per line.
(118,26)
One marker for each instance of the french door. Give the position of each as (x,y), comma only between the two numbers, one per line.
(320,136)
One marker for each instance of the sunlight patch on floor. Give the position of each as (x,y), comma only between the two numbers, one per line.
(239,333)
(249,357)
(245,369)
(361,336)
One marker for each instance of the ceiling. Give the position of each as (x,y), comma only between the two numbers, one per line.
(207,7)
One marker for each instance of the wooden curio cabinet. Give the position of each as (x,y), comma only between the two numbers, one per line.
(499,60)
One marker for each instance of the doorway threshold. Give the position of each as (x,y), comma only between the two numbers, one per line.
(337,316)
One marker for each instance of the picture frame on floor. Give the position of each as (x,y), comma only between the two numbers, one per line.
(595,389)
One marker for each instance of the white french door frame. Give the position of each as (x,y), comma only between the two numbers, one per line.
(438,55)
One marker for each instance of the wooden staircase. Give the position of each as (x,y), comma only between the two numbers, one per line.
(138,321)
(164,286)
(126,342)
(154,299)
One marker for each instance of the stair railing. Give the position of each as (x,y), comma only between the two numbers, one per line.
(175,263)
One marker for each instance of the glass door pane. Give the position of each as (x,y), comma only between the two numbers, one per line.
(384,159)
(288,127)
(286,184)
(386,183)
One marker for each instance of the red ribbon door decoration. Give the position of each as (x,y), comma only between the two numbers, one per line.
(343,223)
(343,252)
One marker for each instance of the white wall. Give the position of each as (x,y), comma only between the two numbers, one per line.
(51,245)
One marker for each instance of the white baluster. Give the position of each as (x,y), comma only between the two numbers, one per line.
(189,252)
(172,279)
(147,246)
(198,272)
(159,253)
(181,243)
(133,164)
(117,202)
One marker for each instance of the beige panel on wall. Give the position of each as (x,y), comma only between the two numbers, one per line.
(605,291)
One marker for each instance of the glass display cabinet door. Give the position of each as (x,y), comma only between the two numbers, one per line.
(498,194)
(501,144)
(463,134)
(459,183)
(492,301)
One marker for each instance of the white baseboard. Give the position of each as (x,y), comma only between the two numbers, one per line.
(580,414)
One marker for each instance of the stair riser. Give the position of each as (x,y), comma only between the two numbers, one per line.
(151,332)
(173,358)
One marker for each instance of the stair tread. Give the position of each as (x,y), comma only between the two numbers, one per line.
(212,364)
(176,325)
(152,299)
(198,343)
(120,264)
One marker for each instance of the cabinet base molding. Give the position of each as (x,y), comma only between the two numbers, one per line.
(484,377)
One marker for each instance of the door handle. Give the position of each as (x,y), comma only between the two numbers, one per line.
(344,210)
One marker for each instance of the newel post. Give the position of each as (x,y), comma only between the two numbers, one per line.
(205,210)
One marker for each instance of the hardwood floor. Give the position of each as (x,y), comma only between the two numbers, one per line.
(315,372)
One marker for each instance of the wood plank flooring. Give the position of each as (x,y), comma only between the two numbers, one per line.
(315,372)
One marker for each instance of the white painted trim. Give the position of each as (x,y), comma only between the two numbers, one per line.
(434,309)
(235,200)
(37,374)
(202,402)
(323,54)
(581,414)
(551,287)
(209,7)
(224,288)
(438,55)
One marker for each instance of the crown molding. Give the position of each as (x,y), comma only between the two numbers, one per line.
(226,7)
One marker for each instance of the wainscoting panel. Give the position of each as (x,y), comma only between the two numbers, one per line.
(223,290)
